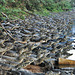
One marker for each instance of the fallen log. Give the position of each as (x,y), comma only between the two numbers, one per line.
(62,61)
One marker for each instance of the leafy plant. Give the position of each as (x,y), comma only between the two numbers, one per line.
(15,8)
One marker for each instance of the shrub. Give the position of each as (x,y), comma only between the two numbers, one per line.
(16,7)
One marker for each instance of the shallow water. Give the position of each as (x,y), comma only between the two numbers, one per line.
(73,28)
(72,57)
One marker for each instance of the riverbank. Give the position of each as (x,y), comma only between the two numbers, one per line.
(15,9)
(36,40)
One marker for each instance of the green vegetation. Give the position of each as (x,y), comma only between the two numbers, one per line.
(15,9)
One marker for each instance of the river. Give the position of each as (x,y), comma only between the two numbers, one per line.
(72,51)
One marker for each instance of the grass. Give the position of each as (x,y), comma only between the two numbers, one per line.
(43,12)
(12,13)
(18,12)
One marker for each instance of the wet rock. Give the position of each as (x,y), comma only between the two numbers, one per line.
(52,73)
(74,71)
(66,73)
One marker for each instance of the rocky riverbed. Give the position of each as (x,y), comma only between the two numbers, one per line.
(38,41)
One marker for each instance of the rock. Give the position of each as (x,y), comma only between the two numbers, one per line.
(34,69)
(26,72)
(74,71)
(52,73)
(35,40)
(66,73)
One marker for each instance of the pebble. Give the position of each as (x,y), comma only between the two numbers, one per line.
(35,40)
